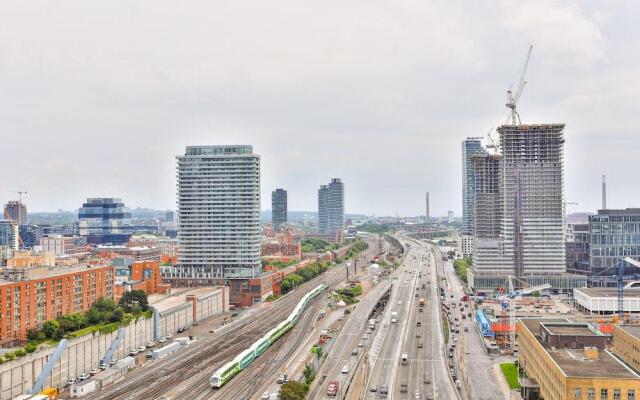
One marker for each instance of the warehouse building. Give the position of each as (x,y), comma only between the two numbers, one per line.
(605,300)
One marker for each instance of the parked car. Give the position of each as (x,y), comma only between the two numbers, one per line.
(71,381)
(345,369)
(94,371)
(83,377)
(265,396)
(141,349)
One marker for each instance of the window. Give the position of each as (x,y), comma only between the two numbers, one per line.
(577,394)
(604,394)
(617,394)
(631,394)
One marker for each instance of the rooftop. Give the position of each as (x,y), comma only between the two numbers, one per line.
(609,292)
(169,302)
(49,272)
(572,329)
(573,362)
(633,330)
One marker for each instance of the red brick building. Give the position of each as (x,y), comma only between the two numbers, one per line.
(140,275)
(33,296)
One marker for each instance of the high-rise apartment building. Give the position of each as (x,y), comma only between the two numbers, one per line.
(471,147)
(331,207)
(278,208)
(219,212)
(532,183)
(16,211)
(104,220)
(518,209)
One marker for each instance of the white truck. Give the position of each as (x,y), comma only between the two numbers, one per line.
(372,323)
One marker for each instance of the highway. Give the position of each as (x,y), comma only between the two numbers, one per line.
(347,340)
(345,350)
(478,369)
(188,373)
(426,372)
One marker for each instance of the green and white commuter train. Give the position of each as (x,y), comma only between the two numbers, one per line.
(246,357)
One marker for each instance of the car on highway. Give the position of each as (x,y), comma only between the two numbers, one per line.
(405,358)
(420,344)
(418,335)
(361,344)
(265,396)
(384,390)
(426,379)
(393,320)
(112,362)
(169,336)
(404,387)
(354,352)
(332,388)
(150,345)
(451,354)
(83,377)
(345,369)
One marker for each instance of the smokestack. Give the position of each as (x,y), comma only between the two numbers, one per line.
(604,192)
(427,209)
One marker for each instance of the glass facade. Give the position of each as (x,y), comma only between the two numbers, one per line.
(105,221)
(278,208)
(331,207)
(615,234)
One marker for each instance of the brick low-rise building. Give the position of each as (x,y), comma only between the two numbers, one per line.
(138,275)
(30,297)
(568,361)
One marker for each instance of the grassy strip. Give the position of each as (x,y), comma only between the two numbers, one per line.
(510,372)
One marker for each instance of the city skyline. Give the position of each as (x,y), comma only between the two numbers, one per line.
(312,104)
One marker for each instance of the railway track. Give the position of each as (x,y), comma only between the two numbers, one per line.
(245,385)
(199,361)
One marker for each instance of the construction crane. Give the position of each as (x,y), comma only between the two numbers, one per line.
(508,300)
(620,281)
(513,98)
(20,193)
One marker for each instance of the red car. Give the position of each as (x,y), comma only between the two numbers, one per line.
(332,389)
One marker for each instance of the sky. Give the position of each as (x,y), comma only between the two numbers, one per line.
(97,98)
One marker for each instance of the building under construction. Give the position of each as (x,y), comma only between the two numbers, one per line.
(519,217)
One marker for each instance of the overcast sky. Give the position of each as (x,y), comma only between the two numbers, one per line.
(97,98)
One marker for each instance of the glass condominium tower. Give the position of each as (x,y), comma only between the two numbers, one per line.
(219,212)
(331,206)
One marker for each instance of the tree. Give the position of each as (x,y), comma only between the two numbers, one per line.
(35,335)
(134,298)
(292,391)
(51,329)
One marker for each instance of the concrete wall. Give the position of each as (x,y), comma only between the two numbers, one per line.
(84,353)
(81,355)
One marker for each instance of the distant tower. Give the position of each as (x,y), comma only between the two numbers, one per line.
(427,209)
(604,192)
(278,208)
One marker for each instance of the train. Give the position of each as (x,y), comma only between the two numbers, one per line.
(224,374)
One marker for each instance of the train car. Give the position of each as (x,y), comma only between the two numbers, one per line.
(261,345)
(246,357)
(222,376)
